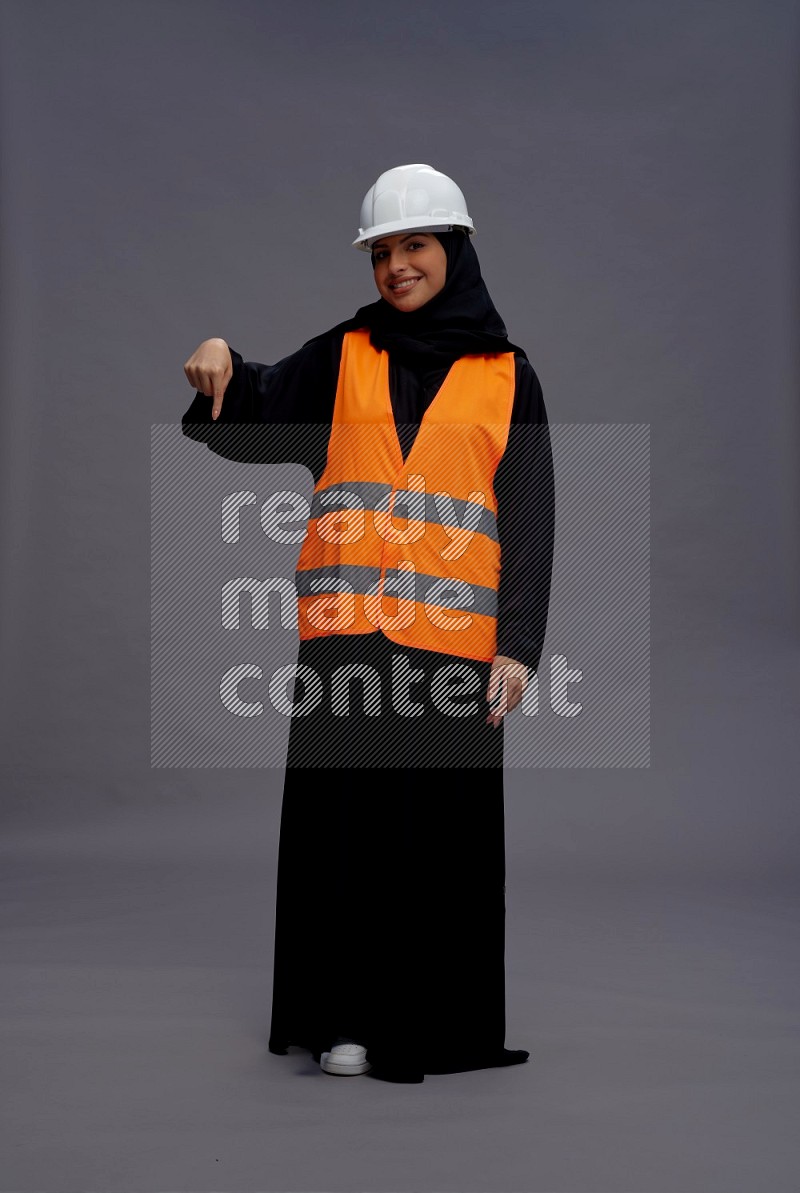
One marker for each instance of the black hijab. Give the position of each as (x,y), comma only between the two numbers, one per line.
(458,321)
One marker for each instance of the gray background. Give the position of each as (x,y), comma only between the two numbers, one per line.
(181,170)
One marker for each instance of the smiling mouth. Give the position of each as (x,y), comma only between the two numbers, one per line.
(406,284)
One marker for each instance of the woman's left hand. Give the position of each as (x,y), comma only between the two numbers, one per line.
(507,682)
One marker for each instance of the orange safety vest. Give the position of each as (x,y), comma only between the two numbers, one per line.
(409,547)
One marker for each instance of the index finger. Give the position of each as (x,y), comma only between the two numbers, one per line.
(217,397)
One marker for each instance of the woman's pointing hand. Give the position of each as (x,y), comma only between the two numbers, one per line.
(209,369)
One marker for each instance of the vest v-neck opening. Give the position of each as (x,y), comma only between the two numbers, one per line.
(390,410)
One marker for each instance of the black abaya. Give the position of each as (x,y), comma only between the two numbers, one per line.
(390,917)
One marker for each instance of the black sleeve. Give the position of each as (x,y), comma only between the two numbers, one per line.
(277,413)
(525,491)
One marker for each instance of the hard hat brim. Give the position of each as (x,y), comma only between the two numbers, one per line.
(367,236)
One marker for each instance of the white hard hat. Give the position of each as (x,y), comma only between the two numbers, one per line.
(413,198)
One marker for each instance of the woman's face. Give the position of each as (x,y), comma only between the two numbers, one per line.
(409,268)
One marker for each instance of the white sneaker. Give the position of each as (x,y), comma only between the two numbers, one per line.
(346,1060)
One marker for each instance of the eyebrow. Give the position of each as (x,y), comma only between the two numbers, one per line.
(381,244)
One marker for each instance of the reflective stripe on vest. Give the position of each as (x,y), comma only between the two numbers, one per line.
(409,547)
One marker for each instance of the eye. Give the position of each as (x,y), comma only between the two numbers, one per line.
(417,244)
(380,254)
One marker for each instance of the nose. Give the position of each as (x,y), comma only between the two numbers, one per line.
(397,261)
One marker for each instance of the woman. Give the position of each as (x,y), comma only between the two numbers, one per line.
(426,434)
